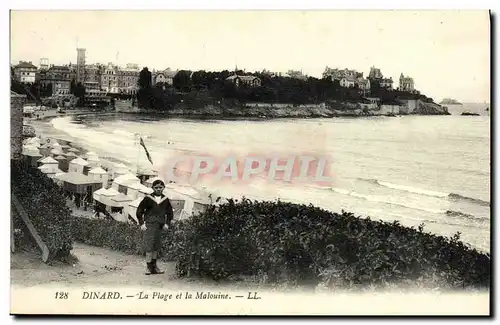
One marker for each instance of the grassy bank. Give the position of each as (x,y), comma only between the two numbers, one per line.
(276,243)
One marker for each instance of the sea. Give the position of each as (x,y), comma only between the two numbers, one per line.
(431,170)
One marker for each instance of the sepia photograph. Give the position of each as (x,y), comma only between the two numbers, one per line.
(250,162)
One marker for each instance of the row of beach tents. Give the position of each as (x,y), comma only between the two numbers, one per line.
(115,187)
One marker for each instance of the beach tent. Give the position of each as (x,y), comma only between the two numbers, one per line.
(53,172)
(74,150)
(34,142)
(76,165)
(70,155)
(145,174)
(121,199)
(45,149)
(63,162)
(119,170)
(123,180)
(31,158)
(79,183)
(56,152)
(196,200)
(105,197)
(100,175)
(132,188)
(132,208)
(57,180)
(65,147)
(97,194)
(48,161)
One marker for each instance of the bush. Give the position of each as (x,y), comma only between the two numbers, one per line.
(283,243)
(45,204)
(120,236)
(298,244)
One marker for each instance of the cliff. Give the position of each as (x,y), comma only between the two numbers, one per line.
(267,110)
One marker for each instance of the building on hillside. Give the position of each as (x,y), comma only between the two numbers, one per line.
(363,85)
(386,83)
(44,64)
(338,74)
(296,74)
(109,78)
(93,77)
(59,76)
(128,78)
(25,72)
(250,81)
(406,83)
(163,76)
(347,82)
(80,65)
(375,73)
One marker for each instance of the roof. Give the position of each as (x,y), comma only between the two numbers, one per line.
(125,177)
(100,191)
(48,160)
(59,157)
(97,170)
(79,161)
(25,65)
(110,192)
(76,178)
(121,198)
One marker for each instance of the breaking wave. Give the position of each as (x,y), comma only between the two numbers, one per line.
(416,190)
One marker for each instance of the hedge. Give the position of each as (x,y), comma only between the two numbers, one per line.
(283,243)
(45,204)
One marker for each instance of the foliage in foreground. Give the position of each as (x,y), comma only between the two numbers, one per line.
(283,243)
(297,244)
(45,204)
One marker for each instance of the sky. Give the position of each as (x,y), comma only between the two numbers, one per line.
(447,53)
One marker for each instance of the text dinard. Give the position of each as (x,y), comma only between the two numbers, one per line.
(165,296)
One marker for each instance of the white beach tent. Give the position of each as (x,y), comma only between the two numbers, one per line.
(133,188)
(132,208)
(119,170)
(49,161)
(123,180)
(57,178)
(76,165)
(56,151)
(105,197)
(97,194)
(74,150)
(36,142)
(143,191)
(100,175)
(54,172)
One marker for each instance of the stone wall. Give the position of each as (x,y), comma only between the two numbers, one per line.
(16,125)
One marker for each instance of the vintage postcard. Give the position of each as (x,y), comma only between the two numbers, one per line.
(250,162)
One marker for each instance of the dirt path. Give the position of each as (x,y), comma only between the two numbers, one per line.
(95,266)
(98,267)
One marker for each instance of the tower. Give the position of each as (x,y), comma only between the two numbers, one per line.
(44,63)
(80,65)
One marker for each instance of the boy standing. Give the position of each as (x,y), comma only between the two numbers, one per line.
(154,213)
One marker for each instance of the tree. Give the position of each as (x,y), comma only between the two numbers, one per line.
(145,79)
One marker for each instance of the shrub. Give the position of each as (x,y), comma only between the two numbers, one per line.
(45,204)
(283,243)
(119,236)
(298,244)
